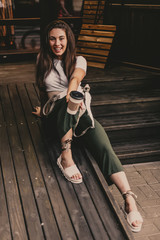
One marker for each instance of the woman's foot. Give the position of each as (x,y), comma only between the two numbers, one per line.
(67,161)
(135,219)
(67,164)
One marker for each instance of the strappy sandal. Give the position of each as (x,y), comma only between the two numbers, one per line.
(133,215)
(69,171)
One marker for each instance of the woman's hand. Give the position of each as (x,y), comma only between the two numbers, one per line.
(67,97)
(75,80)
(37,111)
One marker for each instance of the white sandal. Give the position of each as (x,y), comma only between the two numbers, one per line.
(133,215)
(69,171)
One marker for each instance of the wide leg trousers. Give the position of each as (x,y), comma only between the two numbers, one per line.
(95,139)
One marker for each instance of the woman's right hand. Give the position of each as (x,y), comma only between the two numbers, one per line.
(37,111)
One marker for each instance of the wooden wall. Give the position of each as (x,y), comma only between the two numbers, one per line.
(138,30)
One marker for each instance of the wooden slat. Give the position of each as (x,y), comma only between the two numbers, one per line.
(97,33)
(126,97)
(92,12)
(101,7)
(95,39)
(93,51)
(30,21)
(93,17)
(85,20)
(93,2)
(89,16)
(94,45)
(142,150)
(5,231)
(18,51)
(95,58)
(95,64)
(99,27)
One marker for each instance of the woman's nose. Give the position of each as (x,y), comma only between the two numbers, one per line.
(57,42)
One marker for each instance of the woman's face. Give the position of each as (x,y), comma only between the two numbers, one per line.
(58,42)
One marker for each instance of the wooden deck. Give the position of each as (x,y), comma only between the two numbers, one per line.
(36,202)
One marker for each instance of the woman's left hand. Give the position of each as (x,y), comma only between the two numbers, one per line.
(37,111)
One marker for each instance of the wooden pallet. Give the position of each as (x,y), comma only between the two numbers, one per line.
(94,43)
(93,12)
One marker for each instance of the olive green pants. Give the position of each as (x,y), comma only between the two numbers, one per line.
(95,139)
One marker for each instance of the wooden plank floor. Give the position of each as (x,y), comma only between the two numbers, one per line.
(36,202)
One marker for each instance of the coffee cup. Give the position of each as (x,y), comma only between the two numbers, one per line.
(74,102)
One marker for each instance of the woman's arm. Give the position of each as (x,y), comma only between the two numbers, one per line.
(75,80)
(43,99)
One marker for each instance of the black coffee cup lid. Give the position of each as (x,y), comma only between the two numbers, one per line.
(76,95)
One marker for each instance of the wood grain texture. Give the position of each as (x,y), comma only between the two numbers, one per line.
(94,38)
(36,200)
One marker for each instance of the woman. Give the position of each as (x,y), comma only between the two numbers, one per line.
(59,72)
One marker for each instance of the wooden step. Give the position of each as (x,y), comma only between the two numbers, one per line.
(118,73)
(126,97)
(130,101)
(114,85)
(127,121)
(138,150)
(131,126)
(127,108)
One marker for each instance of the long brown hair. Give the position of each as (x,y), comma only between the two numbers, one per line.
(45,60)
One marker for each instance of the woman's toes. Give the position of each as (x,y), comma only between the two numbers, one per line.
(76,176)
(136,223)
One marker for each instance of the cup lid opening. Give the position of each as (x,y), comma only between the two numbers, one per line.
(76,95)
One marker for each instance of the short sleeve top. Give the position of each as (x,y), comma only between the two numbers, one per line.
(59,82)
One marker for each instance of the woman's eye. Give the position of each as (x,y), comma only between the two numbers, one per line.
(51,38)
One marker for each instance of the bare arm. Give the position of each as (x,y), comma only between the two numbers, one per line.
(75,80)
(43,98)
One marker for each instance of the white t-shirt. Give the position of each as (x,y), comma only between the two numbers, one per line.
(55,82)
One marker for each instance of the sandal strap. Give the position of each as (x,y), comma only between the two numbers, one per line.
(66,145)
(129,193)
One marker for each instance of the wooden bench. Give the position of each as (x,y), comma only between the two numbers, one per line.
(93,11)
(94,43)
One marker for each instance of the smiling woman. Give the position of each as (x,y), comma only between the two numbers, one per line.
(59,73)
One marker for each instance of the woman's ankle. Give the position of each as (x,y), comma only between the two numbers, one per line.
(130,204)
(67,159)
